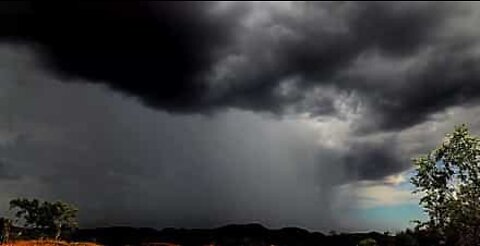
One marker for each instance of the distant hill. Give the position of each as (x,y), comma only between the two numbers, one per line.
(230,235)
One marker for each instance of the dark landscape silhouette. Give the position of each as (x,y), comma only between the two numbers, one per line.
(229,235)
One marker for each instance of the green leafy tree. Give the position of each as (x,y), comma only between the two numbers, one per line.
(448,179)
(45,218)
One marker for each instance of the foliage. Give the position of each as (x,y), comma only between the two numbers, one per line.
(45,218)
(448,178)
(368,242)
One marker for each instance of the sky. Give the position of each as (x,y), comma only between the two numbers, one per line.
(201,114)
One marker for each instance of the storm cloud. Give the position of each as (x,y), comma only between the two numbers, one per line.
(202,57)
(123,163)
(235,107)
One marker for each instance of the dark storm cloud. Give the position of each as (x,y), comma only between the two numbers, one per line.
(123,163)
(198,57)
(299,57)
(445,77)
(152,50)
(373,160)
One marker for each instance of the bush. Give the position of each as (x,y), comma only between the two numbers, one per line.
(368,242)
